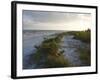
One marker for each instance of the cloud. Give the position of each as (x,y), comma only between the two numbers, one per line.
(52,20)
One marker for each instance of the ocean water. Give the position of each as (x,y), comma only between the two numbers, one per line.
(32,38)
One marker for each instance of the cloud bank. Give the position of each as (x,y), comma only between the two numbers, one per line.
(42,20)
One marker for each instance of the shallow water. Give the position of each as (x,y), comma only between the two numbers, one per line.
(31,39)
(70,45)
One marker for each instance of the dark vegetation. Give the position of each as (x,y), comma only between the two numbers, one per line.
(84,36)
(85,53)
(85,56)
(48,54)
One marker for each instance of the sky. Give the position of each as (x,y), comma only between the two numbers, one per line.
(43,20)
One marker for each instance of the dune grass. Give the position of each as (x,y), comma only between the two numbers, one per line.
(84,53)
(85,56)
(48,53)
(84,36)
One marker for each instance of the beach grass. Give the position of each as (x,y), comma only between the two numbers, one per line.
(48,53)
